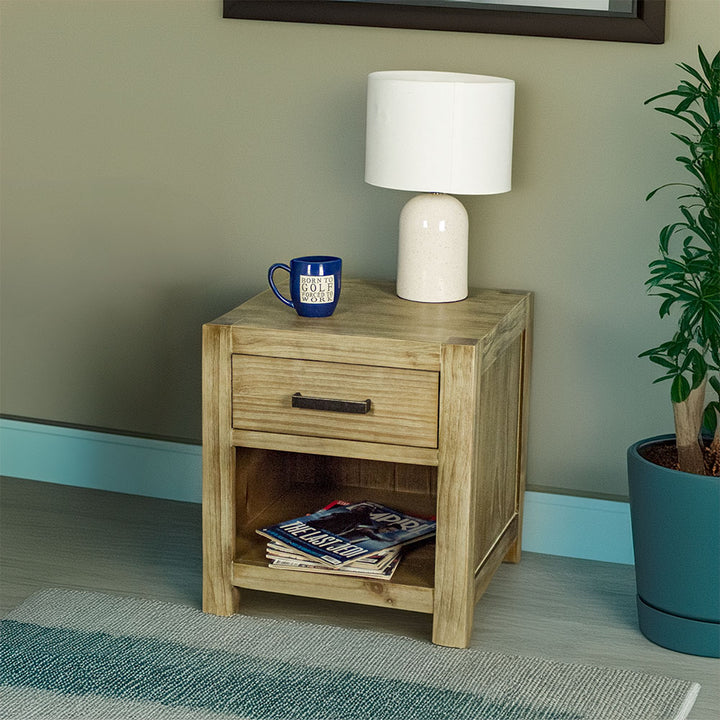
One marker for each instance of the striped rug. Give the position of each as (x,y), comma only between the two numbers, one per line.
(70,654)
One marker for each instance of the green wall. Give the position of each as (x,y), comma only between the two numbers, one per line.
(157,158)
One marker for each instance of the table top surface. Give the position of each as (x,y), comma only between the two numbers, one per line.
(372,309)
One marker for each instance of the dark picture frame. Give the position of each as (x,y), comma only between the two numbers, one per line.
(643,23)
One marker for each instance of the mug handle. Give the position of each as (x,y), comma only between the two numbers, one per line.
(271,271)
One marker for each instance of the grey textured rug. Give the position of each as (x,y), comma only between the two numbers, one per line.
(68,654)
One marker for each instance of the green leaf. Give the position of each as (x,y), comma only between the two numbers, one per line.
(660,360)
(705,67)
(701,121)
(684,139)
(683,105)
(678,184)
(699,372)
(715,63)
(709,325)
(661,95)
(669,376)
(688,215)
(680,389)
(666,306)
(715,379)
(710,417)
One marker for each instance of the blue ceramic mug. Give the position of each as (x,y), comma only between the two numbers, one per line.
(314,284)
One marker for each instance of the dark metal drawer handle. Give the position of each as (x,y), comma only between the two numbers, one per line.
(360,407)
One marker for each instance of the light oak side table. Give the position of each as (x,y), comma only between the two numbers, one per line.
(444,434)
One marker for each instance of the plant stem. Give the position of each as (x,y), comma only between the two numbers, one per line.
(688,421)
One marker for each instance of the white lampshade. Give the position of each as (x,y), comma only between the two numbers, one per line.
(439,132)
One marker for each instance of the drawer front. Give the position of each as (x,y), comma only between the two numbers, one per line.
(403,407)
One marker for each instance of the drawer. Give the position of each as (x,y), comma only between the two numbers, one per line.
(403,407)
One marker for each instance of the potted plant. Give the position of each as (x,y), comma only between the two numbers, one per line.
(673,480)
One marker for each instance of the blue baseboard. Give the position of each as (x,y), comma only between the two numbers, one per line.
(579,527)
(565,525)
(103,461)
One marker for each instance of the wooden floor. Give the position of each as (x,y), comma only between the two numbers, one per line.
(551,607)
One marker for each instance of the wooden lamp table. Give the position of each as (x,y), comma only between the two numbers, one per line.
(444,434)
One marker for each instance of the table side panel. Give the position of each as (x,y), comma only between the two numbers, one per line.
(496,447)
(495,557)
(515,552)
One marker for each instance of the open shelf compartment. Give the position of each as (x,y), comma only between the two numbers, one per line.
(272,486)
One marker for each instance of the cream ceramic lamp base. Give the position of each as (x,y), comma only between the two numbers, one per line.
(433,249)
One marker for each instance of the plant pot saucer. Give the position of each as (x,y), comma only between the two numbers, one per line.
(682,634)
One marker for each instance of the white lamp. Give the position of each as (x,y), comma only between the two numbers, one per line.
(437,132)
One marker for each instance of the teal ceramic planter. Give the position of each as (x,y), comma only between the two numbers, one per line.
(676,536)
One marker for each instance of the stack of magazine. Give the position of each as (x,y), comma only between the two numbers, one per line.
(361,539)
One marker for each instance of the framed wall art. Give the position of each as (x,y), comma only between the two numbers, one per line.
(641,21)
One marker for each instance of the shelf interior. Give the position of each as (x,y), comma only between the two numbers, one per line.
(273,486)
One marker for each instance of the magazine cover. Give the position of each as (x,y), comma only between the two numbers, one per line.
(345,532)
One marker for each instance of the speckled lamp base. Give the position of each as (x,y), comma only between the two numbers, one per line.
(433,249)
